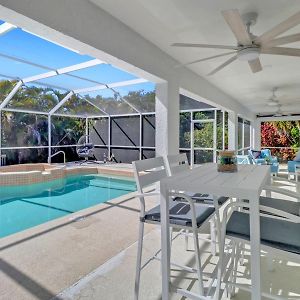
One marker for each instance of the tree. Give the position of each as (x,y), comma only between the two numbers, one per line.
(282,134)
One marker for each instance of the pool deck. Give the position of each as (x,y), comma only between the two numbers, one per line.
(40,262)
(91,255)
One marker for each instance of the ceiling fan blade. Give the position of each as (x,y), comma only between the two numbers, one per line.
(191,45)
(227,62)
(237,26)
(204,59)
(283,40)
(255,65)
(281,51)
(278,29)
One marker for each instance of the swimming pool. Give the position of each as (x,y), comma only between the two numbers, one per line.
(22,207)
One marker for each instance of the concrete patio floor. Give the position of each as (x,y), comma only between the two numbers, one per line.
(115,278)
(94,258)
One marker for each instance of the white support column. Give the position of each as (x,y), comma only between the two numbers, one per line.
(0,133)
(167,118)
(109,138)
(87,130)
(256,134)
(141,137)
(49,139)
(232,131)
(166,142)
(223,130)
(243,136)
(192,143)
(215,137)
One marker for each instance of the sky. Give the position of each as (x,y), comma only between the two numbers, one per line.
(21,44)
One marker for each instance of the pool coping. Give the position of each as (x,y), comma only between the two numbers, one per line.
(26,174)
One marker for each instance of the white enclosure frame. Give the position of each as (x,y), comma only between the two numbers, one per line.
(244,149)
(213,120)
(97,86)
(53,111)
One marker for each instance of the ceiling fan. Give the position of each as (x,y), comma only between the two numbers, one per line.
(279,112)
(273,100)
(249,46)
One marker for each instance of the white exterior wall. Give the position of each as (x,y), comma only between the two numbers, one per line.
(256,134)
(167,118)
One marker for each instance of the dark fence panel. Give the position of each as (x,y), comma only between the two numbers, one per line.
(123,155)
(188,154)
(71,154)
(148,131)
(99,131)
(148,153)
(125,131)
(23,156)
(100,153)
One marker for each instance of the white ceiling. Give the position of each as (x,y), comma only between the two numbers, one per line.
(164,22)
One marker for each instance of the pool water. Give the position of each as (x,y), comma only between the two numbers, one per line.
(22,207)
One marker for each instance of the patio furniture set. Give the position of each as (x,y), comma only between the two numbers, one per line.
(189,198)
(264,157)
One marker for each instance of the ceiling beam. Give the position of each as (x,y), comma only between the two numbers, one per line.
(91,103)
(23,61)
(65,70)
(110,85)
(114,85)
(6,27)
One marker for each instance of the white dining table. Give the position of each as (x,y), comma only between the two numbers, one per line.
(247,183)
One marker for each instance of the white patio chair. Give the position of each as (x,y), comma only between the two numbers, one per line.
(182,215)
(178,163)
(280,236)
(243,159)
(285,205)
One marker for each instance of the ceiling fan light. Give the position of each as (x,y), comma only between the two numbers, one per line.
(248,54)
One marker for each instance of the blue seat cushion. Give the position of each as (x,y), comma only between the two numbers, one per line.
(297,157)
(206,198)
(279,234)
(291,166)
(180,214)
(290,207)
(275,168)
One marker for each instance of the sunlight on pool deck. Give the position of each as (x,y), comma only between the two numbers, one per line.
(94,258)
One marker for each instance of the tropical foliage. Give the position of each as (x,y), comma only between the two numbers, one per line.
(21,129)
(284,135)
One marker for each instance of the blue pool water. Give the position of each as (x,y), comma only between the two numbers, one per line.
(22,207)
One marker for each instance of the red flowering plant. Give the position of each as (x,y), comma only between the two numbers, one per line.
(284,135)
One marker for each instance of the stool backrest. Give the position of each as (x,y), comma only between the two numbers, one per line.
(177,163)
(148,171)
